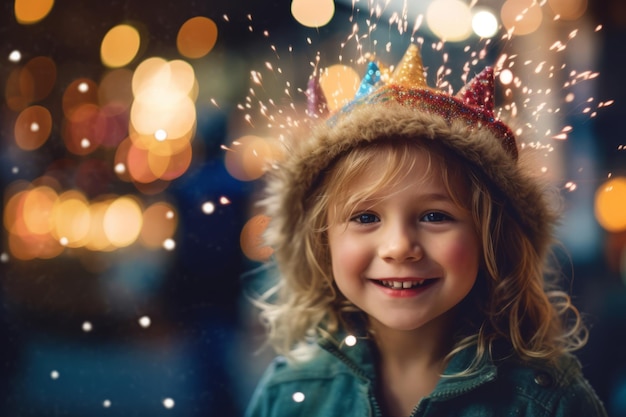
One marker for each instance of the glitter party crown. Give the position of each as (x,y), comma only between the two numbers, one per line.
(473,105)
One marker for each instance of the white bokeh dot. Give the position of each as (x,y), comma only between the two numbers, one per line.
(120,168)
(160,135)
(298,397)
(168,403)
(106,403)
(485,24)
(169,244)
(506,76)
(4,257)
(54,375)
(15,56)
(145,322)
(87,326)
(350,340)
(208,208)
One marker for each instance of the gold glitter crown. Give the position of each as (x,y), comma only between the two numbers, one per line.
(473,105)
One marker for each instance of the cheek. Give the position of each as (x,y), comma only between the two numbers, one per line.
(347,255)
(463,254)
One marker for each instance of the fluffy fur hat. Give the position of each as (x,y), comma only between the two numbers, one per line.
(464,125)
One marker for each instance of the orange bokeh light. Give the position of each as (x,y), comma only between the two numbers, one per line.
(120,46)
(32,11)
(248,157)
(610,203)
(340,84)
(251,238)
(159,224)
(521,17)
(78,93)
(569,9)
(123,221)
(196,37)
(32,128)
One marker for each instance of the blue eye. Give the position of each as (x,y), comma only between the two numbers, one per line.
(435,217)
(365,218)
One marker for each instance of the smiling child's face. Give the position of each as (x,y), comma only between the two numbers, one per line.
(408,253)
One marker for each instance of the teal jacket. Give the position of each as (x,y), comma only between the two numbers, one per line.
(340,380)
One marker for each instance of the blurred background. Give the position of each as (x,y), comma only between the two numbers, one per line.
(134,136)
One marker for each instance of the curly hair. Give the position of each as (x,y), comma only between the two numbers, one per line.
(515,299)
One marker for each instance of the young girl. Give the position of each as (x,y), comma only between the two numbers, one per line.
(411,248)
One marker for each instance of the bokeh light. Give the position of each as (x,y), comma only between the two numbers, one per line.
(123,221)
(78,93)
(485,23)
(569,9)
(251,239)
(42,222)
(71,218)
(313,13)
(159,224)
(506,76)
(450,20)
(115,89)
(30,83)
(15,56)
(37,209)
(97,239)
(521,17)
(40,73)
(120,46)
(610,204)
(339,84)
(162,123)
(196,37)
(32,11)
(249,156)
(162,98)
(32,128)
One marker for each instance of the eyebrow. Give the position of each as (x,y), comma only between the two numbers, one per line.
(436,197)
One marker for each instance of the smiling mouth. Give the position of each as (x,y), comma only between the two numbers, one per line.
(404,285)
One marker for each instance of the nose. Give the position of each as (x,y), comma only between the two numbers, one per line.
(400,245)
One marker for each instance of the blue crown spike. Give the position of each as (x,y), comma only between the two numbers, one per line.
(369,81)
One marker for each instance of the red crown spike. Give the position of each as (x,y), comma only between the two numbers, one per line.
(480,91)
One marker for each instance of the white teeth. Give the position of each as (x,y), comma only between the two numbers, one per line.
(398,285)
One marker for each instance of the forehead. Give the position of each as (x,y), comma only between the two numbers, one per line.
(383,169)
(385,163)
(374,172)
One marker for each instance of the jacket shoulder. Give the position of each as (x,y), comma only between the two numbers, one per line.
(560,388)
(314,387)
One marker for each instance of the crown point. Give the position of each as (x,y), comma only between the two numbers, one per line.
(317,106)
(480,91)
(410,70)
(369,81)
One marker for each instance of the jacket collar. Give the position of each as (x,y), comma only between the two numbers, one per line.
(359,354)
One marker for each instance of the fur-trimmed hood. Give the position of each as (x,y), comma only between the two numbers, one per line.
(290,182)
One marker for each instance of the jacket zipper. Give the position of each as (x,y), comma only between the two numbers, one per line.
(359,372)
